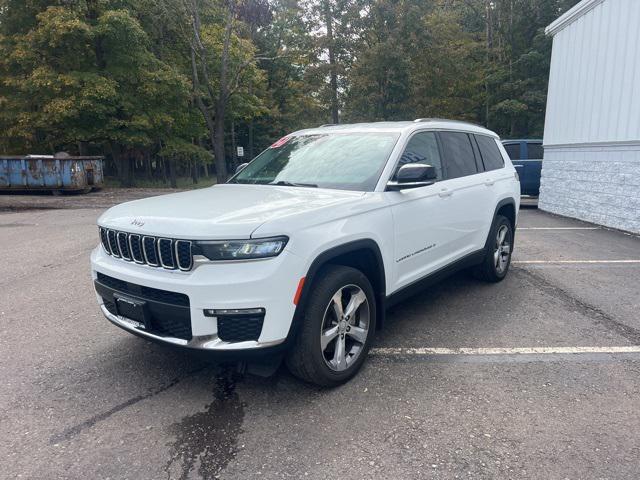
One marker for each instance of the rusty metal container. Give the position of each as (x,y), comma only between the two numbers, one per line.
(57,173)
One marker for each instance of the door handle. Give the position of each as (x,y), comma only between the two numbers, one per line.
(445,192)
(489,182)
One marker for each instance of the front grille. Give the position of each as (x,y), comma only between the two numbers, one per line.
(156,252)
(164,296)
(135,246)
(104,239)
(123,245)
(150,251)
(165,249)
(184,258)
(113,243)
(240,328)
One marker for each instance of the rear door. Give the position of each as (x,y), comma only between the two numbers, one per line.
(469,191)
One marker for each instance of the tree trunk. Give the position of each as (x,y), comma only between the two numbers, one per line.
(123,165)
(234,145)
(206,164)
(333,79)
(194,171)
(218,146)
(489,46)
(172,173)
(250,146)
(147,164)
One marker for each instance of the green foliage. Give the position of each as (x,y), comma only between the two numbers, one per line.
(116,76)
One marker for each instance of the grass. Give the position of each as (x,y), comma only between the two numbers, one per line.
(181,182)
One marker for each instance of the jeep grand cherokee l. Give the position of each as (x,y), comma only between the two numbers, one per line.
(306,246)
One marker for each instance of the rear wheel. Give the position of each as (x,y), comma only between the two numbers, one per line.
(338,326)
(497,258)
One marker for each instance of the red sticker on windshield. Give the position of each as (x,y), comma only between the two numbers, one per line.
(280,142)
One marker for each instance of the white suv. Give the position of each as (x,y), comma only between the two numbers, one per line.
(305,247)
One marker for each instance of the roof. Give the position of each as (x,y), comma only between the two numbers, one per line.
(400,127)
(571,16)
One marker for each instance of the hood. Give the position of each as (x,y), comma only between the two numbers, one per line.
(228,211)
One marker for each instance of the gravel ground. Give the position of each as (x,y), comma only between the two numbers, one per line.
(83,399)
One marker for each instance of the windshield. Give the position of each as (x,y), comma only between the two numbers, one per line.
(346,161)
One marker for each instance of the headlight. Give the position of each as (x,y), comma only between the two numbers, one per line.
(241,249)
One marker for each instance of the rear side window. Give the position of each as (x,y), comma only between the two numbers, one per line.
(459,160)
(491,155)
(422,148)
(513,150)
(534,151)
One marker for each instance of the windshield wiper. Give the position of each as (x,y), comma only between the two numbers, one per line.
(284,183)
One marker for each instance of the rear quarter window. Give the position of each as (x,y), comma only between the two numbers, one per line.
(491,156)
(459,160)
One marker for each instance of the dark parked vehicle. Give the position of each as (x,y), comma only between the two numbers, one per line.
(526,156)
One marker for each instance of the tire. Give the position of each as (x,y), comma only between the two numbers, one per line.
(495,266)
(307,360)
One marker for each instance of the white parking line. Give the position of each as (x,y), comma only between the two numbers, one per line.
(393,351)
(534,262)
(558,228)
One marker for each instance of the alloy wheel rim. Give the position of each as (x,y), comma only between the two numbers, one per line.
(502,250)
(345,328)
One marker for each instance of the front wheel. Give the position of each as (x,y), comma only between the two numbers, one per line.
(497,258)
(338,326)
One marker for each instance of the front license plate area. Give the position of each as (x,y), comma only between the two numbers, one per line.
(132,309)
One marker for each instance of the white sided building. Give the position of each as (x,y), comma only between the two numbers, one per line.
(591,167)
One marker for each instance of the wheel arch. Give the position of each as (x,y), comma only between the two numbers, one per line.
(507,208)
(364,255)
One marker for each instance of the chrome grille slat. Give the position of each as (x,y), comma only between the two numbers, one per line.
(135,248)
(149,247)
(163,252)
(183,255)
(113,243)
(123,246)
(105,240)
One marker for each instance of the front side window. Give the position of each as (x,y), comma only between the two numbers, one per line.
(346,161)
(422,148)
(491,156)
(459,160)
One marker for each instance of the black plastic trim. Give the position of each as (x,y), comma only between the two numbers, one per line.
(415,287)
(325,258)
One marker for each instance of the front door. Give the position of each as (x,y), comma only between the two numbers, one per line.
(438,224)
(420,234)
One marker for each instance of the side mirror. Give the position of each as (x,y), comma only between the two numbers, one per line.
(413,175)
(241,167)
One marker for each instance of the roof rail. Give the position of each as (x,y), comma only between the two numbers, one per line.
(328,125)
(435,119)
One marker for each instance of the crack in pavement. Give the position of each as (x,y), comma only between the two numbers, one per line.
(599,316)
(71,432)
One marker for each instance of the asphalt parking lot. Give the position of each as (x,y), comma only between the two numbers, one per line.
(536,377)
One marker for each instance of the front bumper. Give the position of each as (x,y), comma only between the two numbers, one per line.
(204,342)
(270,284)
